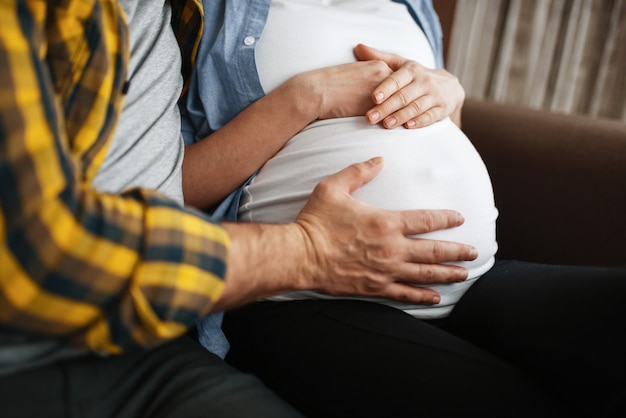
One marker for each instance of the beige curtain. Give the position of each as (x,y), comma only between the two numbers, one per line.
(563,55)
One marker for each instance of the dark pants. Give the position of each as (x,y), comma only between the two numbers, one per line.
(525,340)
(179,379)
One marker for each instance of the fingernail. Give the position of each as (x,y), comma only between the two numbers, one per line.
(376,160)
(461,275)
(379,96)
(436,299)
(410,124)
(374,116)
(473,252)
(391,122)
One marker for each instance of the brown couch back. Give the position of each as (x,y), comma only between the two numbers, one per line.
(559,182)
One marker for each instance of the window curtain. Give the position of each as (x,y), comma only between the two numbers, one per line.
(567,56)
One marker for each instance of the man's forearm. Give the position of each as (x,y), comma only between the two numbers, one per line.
(264,260)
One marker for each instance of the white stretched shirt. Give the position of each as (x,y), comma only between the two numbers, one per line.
(435,167)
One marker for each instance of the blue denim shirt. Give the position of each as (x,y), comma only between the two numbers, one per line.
(225,81)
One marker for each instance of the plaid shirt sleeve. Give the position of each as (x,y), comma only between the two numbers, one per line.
(100,271)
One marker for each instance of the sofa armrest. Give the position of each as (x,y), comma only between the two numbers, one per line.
(559,182)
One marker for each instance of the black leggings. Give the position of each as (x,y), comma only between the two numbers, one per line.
(525,340)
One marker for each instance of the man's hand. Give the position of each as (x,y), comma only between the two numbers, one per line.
(356,249)
(413,96)
(341,246)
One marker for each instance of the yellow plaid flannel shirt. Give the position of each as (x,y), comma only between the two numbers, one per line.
(98,270)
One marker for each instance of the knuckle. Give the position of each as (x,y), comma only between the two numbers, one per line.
(438,252)
(396,81)
(426,118)
(379,65)
(388,253)
(457,274)
(403,295)
(386,108)
(404,98)
(372,287)
(416,108)
(427,274)
(383,225)
(413,67)
(324,188)
(358,170)
(431,83)
(379,69)
(429,221)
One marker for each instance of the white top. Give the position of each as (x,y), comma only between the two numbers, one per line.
(435,167)
(303,35)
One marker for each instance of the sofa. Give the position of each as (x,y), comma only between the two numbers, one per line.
(559,182)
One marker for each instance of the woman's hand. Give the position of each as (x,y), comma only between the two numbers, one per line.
(338,91)
(413,95)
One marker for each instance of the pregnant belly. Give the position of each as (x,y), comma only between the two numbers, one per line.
(435,167)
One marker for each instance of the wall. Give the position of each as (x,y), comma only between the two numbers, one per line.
(567,56)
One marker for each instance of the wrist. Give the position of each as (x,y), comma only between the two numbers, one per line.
(264,260)
(304,97)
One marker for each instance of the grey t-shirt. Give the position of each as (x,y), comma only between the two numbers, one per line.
(147,150)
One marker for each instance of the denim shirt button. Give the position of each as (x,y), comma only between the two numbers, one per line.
(249,40)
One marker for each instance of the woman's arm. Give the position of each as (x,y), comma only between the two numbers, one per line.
(216,165)
(412,95)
